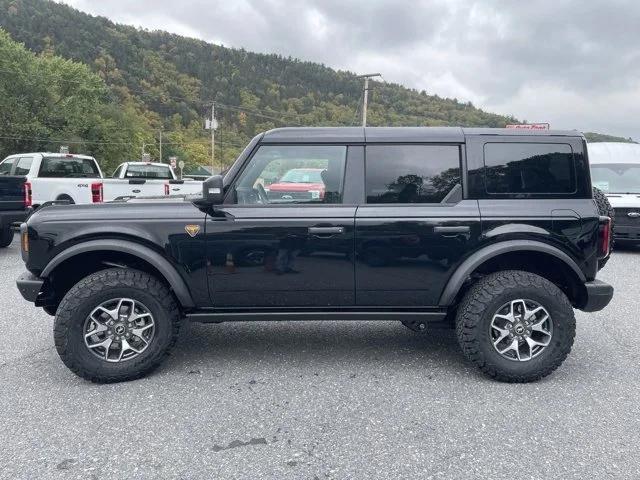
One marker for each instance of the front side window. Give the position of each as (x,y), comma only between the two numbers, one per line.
(5,167)
(411,173)
(67,167)
(616,177)
(23,166)
(526,168)
(282,174)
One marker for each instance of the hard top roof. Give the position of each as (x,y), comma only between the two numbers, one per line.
(396,134)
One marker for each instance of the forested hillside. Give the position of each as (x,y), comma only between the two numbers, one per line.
(109,89)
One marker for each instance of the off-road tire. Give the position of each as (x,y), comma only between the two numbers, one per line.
(484,299)
(99,287)
(6,236)
(605,209)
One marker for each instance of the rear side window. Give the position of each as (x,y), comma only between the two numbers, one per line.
(67,167)
(524,168)
(5,167)
(148,171)
(23,166)
(411,173)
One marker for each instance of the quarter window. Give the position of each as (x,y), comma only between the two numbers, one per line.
(281,174)
(523,168)
(411,173)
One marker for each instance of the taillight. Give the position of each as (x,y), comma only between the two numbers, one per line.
(96,193)
(28,194)
(604,237)
(166,189)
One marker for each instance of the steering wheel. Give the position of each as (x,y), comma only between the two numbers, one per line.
(262,194)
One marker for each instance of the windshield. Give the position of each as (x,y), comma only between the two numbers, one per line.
(149,171)
(616,177)
(299,175)
(53,167)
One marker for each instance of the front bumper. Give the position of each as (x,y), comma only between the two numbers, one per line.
(29,286)
(599,294)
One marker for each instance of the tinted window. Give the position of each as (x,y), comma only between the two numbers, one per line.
(411,173)
(293,174)
(116,174)
(148,171)
(68,167)
(5,167)
(522,168)
(23,166)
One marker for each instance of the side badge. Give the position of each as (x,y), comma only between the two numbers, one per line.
(192,230)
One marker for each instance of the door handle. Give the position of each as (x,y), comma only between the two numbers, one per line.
(326,231)
(452,230)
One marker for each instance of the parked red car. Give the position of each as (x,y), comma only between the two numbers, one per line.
(298,184)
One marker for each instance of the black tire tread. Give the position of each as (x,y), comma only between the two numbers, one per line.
(474,305)
(94,284)
(6,236)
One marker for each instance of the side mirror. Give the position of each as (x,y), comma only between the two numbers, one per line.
(213,190)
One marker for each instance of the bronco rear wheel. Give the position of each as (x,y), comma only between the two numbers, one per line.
(115,325)
(515,326)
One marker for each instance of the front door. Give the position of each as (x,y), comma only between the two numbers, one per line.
(284,238)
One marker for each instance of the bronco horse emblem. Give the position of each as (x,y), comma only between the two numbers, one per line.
(192,230)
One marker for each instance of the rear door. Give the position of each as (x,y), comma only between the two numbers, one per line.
(266,249)
(415,226)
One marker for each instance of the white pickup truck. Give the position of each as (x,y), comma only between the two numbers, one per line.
(78,178)
(137,179)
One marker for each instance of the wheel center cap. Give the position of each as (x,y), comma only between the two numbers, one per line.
(519,329)
(119,329)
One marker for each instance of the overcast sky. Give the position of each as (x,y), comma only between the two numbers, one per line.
(574,64)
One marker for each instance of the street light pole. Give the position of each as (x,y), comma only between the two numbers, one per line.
(365,96)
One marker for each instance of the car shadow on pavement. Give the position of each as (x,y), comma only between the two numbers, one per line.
(312,343)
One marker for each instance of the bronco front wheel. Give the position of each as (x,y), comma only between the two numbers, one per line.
(115,325)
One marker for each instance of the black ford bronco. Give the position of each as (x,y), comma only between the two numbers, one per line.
(492,232)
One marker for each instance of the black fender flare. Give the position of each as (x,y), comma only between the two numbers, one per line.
(478,258)
(150,256)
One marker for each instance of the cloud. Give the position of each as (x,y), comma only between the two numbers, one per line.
(572,63)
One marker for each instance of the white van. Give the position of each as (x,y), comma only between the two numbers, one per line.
(615,169)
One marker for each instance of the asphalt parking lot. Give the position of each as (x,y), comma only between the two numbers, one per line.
(321,400)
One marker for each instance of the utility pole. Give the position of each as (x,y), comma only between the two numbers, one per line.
(365,96)
(213,137)
(160,145)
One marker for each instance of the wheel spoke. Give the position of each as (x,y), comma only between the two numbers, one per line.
(98,329)
(139,331)
(139,316)
(538,326)
(504,333)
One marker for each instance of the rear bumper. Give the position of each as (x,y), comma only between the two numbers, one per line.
(599,294)
(13,216)
(29,286)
